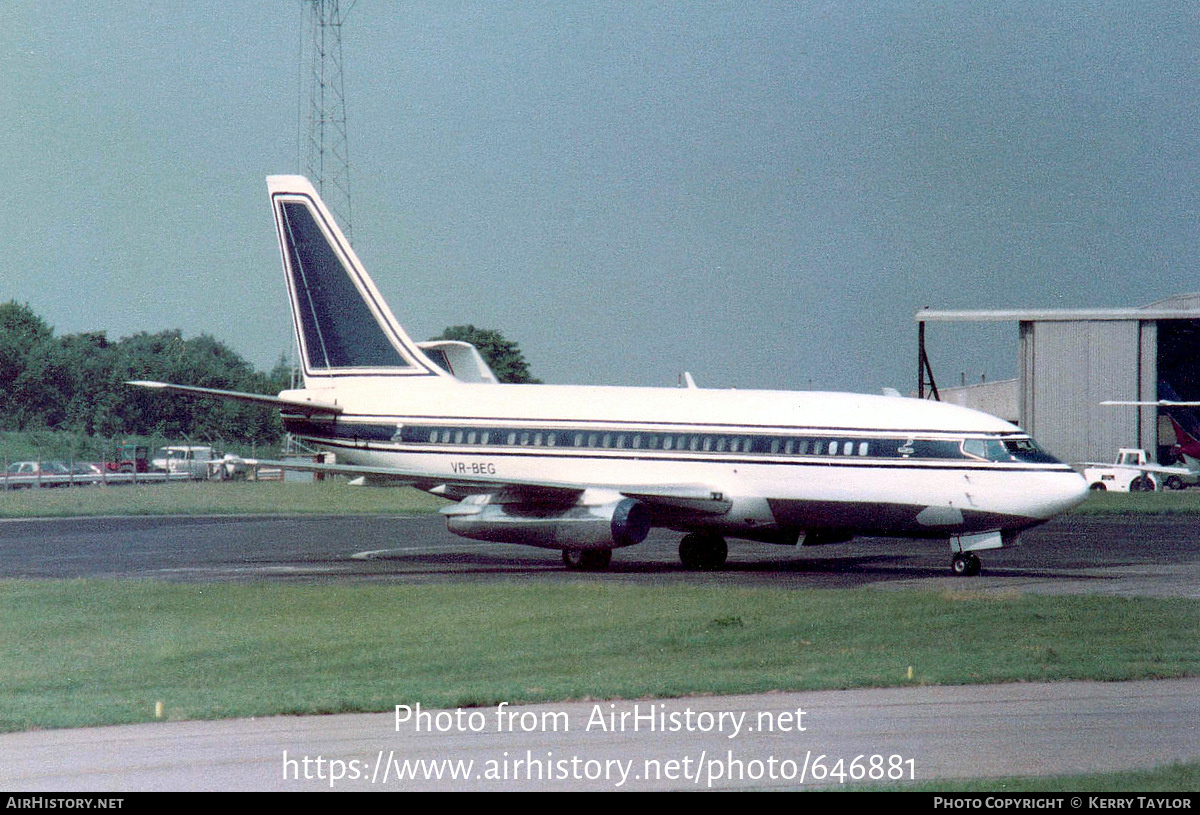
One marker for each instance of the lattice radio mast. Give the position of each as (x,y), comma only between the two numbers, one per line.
(328,153)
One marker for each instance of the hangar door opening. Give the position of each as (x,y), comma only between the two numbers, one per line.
(1178,362)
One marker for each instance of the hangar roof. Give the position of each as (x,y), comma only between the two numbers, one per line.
(1179,307)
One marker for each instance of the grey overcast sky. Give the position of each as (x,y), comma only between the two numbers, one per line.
(761,193)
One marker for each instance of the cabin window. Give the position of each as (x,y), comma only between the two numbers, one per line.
(979,449)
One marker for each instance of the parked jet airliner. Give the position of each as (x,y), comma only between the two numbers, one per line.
(589,469)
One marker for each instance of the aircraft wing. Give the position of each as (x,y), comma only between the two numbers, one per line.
(694,497)
(305,408)
(1157,403)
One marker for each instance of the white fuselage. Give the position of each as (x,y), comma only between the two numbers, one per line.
(785,460)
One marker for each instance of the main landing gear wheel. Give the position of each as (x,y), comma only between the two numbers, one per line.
(587,560)
(703,552)
(966,564)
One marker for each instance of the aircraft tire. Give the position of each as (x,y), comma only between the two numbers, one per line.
(587,560)
(702,552)
(966,564)
(1174,482)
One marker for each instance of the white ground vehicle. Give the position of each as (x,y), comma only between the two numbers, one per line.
(200,462)
(194,460)
(1134,472)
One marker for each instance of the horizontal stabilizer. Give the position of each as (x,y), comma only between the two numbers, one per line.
(287,405)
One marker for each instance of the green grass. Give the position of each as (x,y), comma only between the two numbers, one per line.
(1168,502)
(332,497)
(215,651)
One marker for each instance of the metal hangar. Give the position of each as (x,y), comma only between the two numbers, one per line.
(1071,360)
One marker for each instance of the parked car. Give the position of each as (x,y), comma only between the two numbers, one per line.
(37,473)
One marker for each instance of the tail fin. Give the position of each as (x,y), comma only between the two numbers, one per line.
(342,323)
(1185,442)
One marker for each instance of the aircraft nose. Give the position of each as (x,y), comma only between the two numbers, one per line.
(1068,492)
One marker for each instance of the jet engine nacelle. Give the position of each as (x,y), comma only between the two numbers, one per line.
(604,526)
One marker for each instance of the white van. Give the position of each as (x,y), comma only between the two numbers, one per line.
(191,459)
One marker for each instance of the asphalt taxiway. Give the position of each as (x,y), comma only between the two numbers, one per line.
(1146,555)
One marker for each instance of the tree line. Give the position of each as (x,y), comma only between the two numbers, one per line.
(76,382)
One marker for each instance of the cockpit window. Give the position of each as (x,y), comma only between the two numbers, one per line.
(986,449)
(1026,449)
